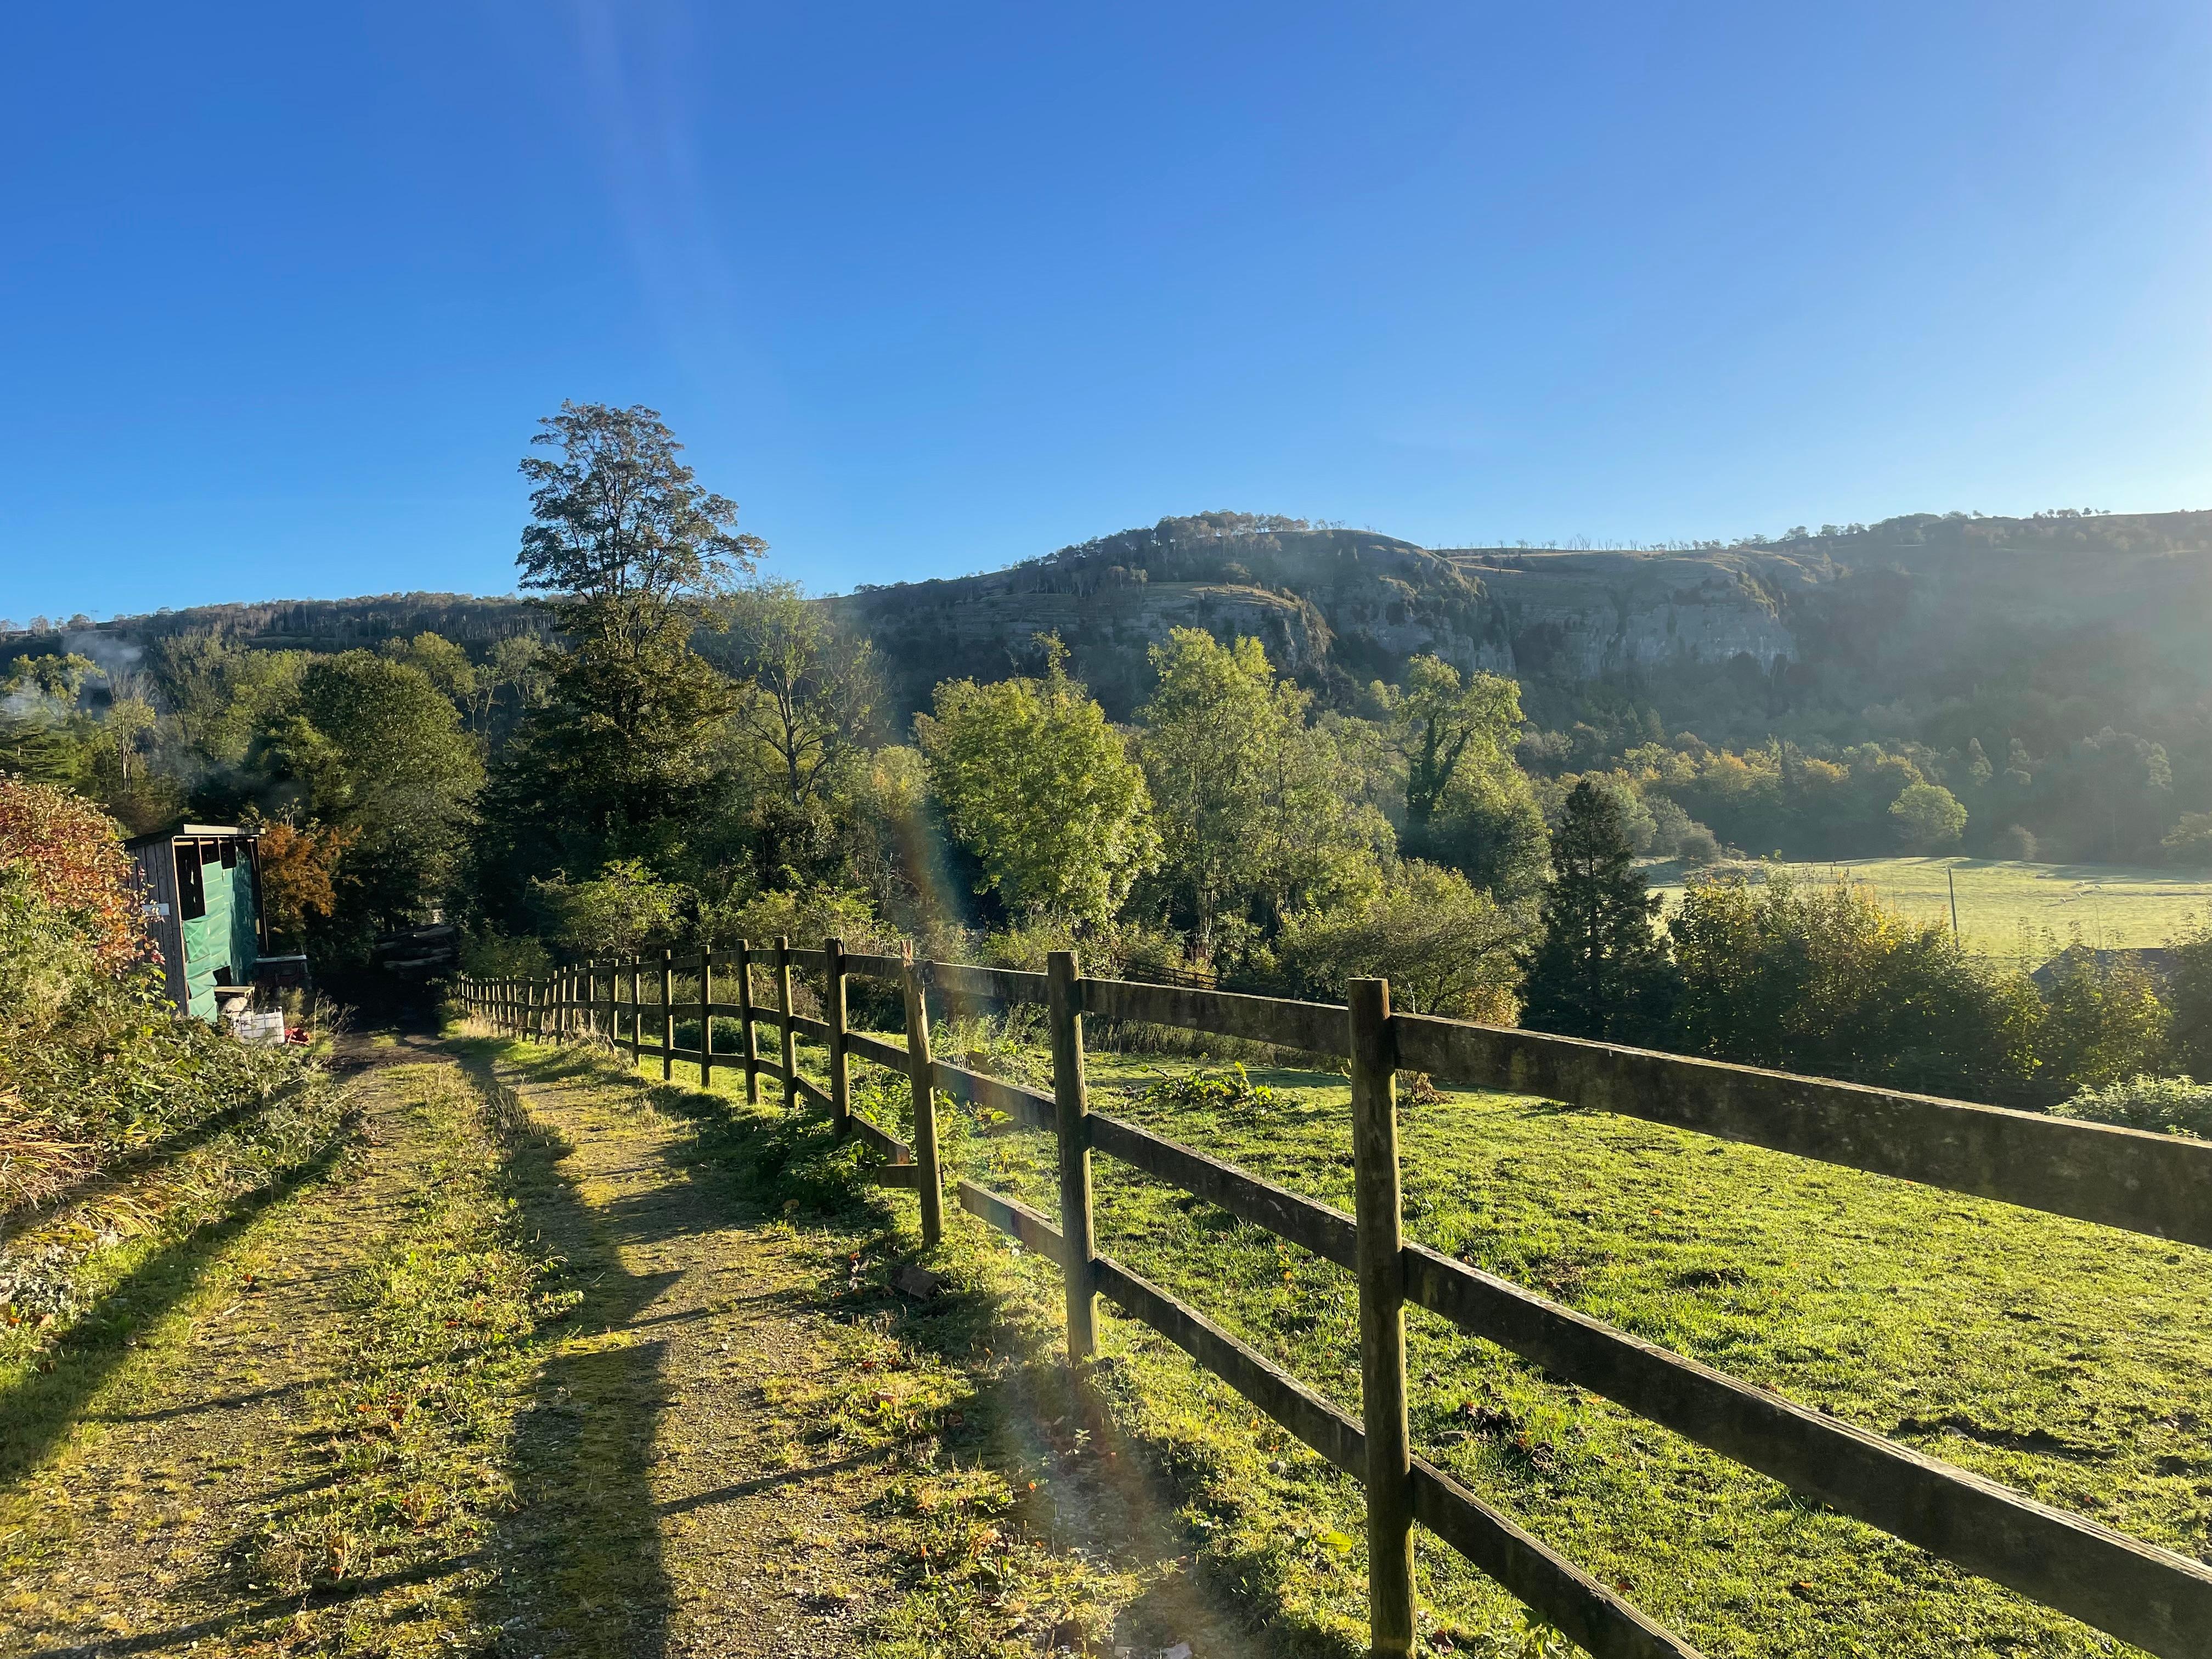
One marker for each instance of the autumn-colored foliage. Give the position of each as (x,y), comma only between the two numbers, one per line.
(74,855)
(296,867)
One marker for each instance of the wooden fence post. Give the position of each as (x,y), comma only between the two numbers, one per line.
(1377,1210)
(636,1012)
(1071,1104)
(790,1049)
(706,1015)
(752,1047)
(667,1016)
(840,1071)
(925,1105)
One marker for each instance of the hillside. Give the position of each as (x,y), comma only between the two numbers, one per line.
(1932,627)
(1938,628)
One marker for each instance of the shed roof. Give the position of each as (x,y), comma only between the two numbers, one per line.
(189,831)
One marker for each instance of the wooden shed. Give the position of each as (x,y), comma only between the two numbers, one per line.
(202,884)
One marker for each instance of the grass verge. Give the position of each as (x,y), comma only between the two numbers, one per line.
(402,1468)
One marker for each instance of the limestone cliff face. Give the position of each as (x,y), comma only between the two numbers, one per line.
(1336,608)
(1582,616)
(1859,616)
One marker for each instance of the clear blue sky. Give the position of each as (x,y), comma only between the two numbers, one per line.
(929,289)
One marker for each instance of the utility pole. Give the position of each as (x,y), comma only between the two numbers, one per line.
(1951,875)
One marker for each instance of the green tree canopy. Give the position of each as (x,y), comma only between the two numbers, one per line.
(1446,946)
(1927,815)
(1257,810)
(1601,969)
(375,748)
(616,914)
(1440,722)
(1036,783)
(807,688)
(633,553)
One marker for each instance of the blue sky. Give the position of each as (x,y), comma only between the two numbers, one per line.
(283,290)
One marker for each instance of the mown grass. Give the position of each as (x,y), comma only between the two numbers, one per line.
(82,1282)
(1015,1521)
(2068,1361)
(2010,908)
(404,1460)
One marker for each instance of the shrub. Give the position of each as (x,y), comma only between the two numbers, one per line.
(2176,1104)
(1927,815)
(1823,978)
(1445,946)
(486,953)
(613,915)
(2102,1022)
(1226,1088)
(2190,841)
(805,918)
(94,1064)
(72,858)
(1698,847)
(2189,994)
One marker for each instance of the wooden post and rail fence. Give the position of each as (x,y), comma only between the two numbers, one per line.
(2154,1184)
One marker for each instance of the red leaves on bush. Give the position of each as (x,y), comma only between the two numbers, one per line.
(73,854)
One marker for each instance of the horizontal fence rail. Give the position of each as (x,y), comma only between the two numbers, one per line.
(2159,1185)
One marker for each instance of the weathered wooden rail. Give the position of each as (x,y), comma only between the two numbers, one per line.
(2159,1185)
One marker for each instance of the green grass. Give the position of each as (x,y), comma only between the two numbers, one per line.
(1011,1517)
(2006,907)
(403,1454)
(2068,1361)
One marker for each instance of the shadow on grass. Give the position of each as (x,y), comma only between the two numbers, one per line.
(191,1635)
(580,1560)
(1080,1482)
(39,1408)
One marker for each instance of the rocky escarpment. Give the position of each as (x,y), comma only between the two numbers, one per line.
(1583,615)
(1335,607)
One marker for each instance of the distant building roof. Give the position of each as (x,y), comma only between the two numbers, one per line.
(2154,959)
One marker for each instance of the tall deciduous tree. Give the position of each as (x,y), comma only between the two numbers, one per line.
(1440,722)
(807,688)
(1601,970)
(1036,784)
(633,553)
(1254,807)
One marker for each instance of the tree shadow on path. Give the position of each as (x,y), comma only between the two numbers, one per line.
(579,1559)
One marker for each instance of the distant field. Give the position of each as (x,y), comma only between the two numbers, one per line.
(2114,906)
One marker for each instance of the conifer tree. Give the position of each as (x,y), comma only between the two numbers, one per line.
(1601,970)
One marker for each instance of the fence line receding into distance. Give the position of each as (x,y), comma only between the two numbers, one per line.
(2159,1185)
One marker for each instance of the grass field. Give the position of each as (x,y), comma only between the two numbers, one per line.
(2006,907)
(2066,1360)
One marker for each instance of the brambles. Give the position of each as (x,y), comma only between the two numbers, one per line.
(2179,1105)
